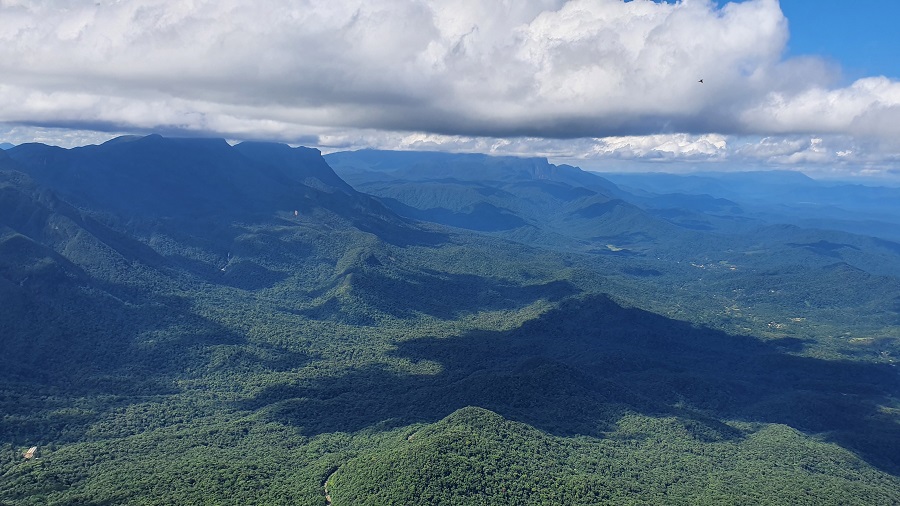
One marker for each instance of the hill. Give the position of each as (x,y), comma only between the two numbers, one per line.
(190,322)
(474,456)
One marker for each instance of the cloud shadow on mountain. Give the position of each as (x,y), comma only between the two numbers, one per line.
(576,369)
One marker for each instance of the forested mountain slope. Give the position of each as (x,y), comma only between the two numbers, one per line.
(188,322)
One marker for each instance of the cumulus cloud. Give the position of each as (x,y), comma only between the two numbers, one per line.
(596,75)
(680,146)
(869,107)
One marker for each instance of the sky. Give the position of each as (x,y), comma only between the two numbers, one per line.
(811,85)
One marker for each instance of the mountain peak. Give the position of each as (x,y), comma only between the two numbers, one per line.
(163,176)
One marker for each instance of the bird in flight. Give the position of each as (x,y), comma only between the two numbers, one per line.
(700,81)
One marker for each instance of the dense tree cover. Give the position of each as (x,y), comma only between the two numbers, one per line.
(476,457)
(260,358)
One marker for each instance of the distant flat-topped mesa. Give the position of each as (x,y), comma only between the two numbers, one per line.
(156,175)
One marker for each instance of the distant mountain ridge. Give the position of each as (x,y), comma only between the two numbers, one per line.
(784,196)
(421,165)
(176,176)
(510,196)
(668,217)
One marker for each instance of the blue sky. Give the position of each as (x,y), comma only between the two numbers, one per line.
(602,84)
(861,35)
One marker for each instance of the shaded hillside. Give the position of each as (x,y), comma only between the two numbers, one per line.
(198,179)
(576,369)
(298,164)
(87,286)
(80,293)
(189,322)
(200,202)
(5,162)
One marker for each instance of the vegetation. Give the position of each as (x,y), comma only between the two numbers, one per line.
(476,457)
(224,349)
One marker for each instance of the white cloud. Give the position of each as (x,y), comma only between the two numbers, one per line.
(63,137)
(869,107)
(681,146)
(619,79)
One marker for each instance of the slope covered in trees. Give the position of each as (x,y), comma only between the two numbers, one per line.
(190,322)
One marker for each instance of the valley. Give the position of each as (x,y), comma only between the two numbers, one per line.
(192,322)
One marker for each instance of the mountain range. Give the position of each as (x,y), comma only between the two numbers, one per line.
(188,321)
